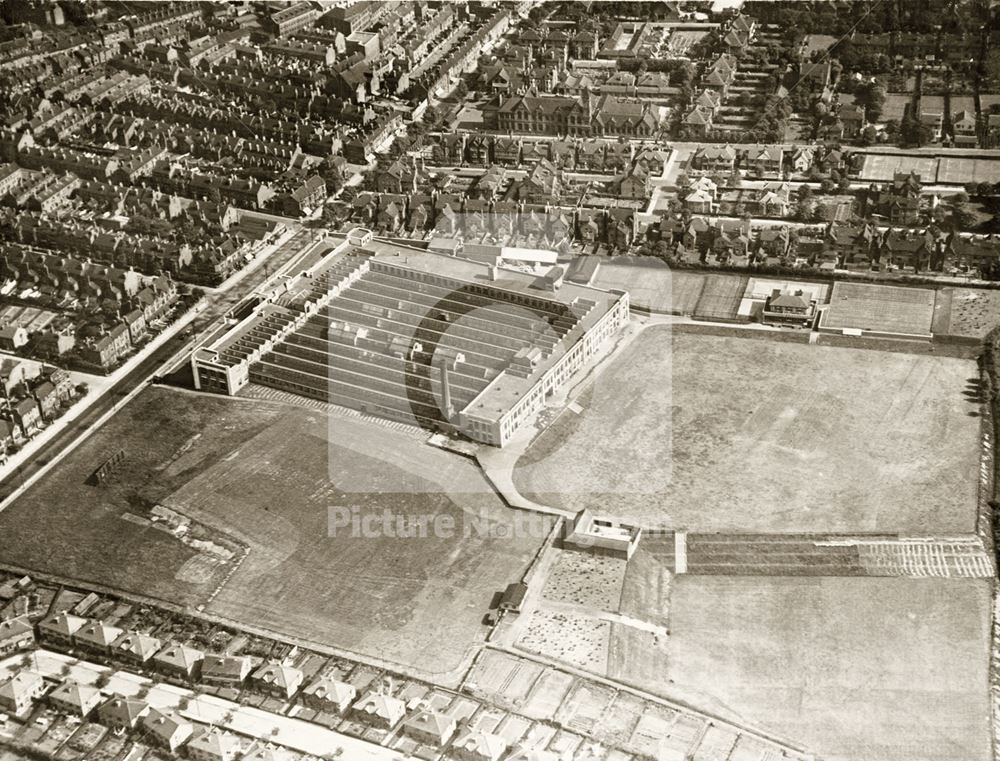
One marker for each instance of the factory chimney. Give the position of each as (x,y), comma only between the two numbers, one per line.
(449,410)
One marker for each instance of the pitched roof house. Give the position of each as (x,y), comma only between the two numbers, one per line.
(179,660)
(97,636)
(16,634)
(283,681)
(380,710)
(122,713)
(214,744)
(325,692)
(18,694)
(166,728)
(477,745)
(430,727)
(60,628)
(225,669)
(75,698)
(135,647)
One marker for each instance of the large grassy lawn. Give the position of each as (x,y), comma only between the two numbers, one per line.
(854,669)
(416,600)
(65,526)
(717,433)
(266,474)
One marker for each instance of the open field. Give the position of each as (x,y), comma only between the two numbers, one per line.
(651,284)
(888,669)
(266,474)
(65,527)
(381,595)
(715,433)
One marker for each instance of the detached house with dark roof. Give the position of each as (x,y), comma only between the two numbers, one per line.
(793,308)
(225,670)
(166,729)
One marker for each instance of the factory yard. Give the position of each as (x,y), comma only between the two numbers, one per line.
(261,476)
(753,435)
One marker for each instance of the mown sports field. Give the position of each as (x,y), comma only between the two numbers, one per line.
(265,475)
(888,669)
(718,433)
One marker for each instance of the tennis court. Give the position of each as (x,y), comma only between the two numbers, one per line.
(960,171)
(721,297)
(884,309)
(651,284)
(880,167)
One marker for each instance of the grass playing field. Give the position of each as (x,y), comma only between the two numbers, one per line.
(266,473)
(854,669)
(651,284)
(715,433)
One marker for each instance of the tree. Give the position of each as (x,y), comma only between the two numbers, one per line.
(912,132)
(961,217)
(868,135)
(827,185)
(992,226)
